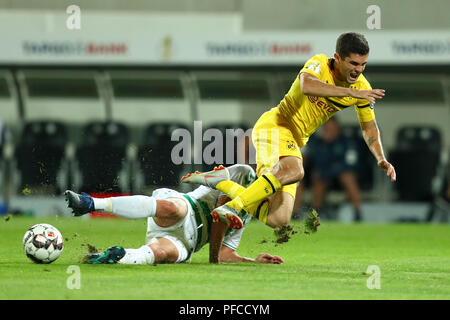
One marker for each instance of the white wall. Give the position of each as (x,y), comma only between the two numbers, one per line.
(219,6)
(53,22)
(275,15)
(347,14)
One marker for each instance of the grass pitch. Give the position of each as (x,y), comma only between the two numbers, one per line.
(413,259)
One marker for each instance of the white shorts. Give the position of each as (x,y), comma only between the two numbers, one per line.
(183,234)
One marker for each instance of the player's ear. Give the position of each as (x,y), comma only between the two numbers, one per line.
(337,57)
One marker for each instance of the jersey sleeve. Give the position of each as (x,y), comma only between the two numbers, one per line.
(365,109)
(233,239)
(315,66)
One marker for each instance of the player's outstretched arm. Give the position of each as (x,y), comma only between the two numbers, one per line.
(313,86)
(219,253)
(216,235)
(371,135)
(229,255)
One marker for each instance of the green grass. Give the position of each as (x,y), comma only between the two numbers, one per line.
(414,260)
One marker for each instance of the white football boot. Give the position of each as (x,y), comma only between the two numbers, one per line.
(228,215)
(209,179)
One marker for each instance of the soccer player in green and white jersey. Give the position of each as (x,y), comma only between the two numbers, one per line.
(178,224)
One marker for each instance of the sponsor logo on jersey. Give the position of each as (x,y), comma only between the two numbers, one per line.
(322,104)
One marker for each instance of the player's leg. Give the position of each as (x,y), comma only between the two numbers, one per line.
(278,159)
(279,164)
(288,170)
(350,184)
(160,250)
(130,207)
(163,243)
(319,188)
(276,210)
(280,210)
(166,249)
(170,211)
(166,212)
(118,254)
(299,196)
(169,249)
(167,242)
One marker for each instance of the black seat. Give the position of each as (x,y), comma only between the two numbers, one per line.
(39,155)
(416,158)
(102,155)
(155,155)
(232,139)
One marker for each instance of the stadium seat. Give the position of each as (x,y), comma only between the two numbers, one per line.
(416,158)
(419,138)
(228,130)
(39,155)
(155,155)
(101,156)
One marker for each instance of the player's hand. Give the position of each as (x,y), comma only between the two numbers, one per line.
(370,95)
(388,168)
(267,258)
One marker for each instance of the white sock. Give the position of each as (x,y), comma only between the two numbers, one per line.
(102,204)
(143,255)
(130,207)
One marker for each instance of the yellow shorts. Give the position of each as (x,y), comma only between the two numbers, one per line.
(272,139)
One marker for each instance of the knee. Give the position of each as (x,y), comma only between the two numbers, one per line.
(160,254)
(281,208)
(297,172)
(167,208)
(289,170)
(279,218)
(279,222)
(300,173)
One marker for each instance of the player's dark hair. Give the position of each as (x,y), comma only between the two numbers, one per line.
(351,42)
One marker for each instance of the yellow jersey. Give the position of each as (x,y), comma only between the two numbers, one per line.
(307,113)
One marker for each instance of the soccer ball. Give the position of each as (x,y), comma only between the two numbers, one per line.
(43,243)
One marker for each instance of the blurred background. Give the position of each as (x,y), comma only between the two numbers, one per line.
(90,97)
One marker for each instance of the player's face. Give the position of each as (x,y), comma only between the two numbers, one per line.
(351,67)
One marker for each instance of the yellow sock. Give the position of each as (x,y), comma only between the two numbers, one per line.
(259,210)
(230,188)
(263,187)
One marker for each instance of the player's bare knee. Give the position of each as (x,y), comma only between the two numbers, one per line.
(281,204)
(289,170)
(300,173)
(167,209)
(160,253)
(280,221)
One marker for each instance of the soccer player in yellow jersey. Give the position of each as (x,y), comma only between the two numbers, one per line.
(323,87)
